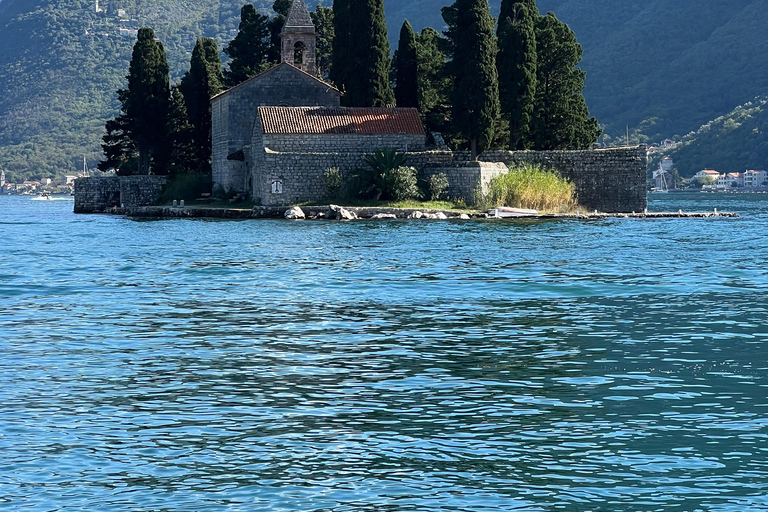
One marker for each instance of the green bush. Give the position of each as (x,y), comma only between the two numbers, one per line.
(531,186)
(401,184)
(332,180)
(186,186)
(437,184)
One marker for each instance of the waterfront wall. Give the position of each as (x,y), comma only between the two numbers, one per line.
(97,195)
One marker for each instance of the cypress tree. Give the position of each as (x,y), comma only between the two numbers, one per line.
(407,90)
(250,50)
(516,63)
(139,132)
(181,158)
(433,80)
(561,118)
(203,81)
(276,24)
(341,45)
(325,33)
(361,31)
(475,96)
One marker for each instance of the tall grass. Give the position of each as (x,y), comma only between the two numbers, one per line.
(533,187)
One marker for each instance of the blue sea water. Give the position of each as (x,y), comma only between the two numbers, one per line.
(185,365)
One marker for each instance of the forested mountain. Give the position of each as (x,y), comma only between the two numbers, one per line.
(662,67)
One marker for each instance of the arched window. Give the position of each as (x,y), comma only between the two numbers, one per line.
(298,54)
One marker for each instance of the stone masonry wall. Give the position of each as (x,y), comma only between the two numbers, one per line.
(466,179)
(97,195)
(342,143)
(608,180)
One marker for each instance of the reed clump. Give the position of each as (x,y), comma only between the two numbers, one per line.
(532,187)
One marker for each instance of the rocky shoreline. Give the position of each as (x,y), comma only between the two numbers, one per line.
(334,212)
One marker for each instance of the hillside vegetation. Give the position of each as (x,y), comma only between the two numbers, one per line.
(662,67)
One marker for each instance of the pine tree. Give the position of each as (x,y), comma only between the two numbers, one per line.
(561,118)
(324,30)
(516,63)
(249,51)
(475,96)
(203,81)
(136,141)
(342,44)
(407,90)
(361,53)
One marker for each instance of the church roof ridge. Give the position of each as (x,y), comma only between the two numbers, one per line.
(270,70)
(298,16)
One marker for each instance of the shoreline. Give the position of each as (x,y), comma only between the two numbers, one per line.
(332,212)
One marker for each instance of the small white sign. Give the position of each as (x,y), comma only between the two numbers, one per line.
(277,186)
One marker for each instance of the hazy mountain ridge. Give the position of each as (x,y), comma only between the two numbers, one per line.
(666,68)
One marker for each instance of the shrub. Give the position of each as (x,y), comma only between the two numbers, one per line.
(401,184)
(332,180)
(186,186)
(531,186)
(437,184)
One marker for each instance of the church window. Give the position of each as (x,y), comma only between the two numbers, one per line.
(298,53)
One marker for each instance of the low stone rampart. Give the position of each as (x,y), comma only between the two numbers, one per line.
(98,195)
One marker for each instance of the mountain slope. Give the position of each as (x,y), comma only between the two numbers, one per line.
(665,67)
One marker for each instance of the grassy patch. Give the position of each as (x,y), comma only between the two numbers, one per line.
(531,186)
(410,203)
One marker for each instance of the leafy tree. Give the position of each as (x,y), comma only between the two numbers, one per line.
(136,140)
(561,118)
(362,34)
(407,90)
(324,31)
(203,81)
(516,63)
(249,51)
(475,96)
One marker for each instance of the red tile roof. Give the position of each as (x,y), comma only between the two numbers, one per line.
(340,120)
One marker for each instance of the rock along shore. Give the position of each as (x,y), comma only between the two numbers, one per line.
(333,212)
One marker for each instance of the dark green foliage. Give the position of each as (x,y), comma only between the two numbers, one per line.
(375,180)
(400,184)
(324,31)
(185,186)
(561,119)
(434,83)
(182,157)
(276,24)
(516,63)
(137,141)
(407,90)
(363,64)
(249,51)
(203,81)
(475,96)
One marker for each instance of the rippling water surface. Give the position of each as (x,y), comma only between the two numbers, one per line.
(384,366)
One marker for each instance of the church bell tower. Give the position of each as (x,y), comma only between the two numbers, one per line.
(298,44)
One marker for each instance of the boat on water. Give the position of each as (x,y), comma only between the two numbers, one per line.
(44,196)
(504,212)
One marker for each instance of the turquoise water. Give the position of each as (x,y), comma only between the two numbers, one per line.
(384,366)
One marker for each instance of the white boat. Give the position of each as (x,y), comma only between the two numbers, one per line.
(504,212)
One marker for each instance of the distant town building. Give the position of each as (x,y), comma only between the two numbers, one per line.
(754,178)
(707,173)
(121,13)
(666,164)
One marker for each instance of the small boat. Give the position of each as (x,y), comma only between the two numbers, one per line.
(44,195)
(504,212)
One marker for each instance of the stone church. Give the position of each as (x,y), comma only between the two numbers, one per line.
(275,134)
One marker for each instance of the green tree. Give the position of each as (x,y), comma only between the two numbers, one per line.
(181,157)
(341,46)
(203,81)
(249,51)
(475,96)
(325,32)
(137,139)
(276,24)
(407,90)
(433,80)
(516,63)
(561,118)
(365,48)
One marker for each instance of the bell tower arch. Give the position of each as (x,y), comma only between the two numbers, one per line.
(298,45)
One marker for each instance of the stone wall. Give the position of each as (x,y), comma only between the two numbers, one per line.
(607,180)
(96,195)
(466,179)
(356,143)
